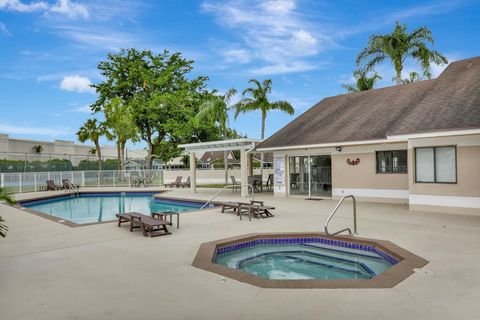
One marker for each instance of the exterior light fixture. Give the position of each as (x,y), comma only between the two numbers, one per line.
(339,149)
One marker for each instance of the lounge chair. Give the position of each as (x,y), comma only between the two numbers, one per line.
(175,183)
(232,205)
(51,186)
(150,226)
(256,209)
(236,185)
(67,185)
(185,184)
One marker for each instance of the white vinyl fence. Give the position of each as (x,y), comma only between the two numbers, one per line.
(37,181)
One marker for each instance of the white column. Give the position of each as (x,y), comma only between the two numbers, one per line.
(193,172)
(244,172)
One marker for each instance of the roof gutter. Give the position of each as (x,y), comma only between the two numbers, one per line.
(324,145)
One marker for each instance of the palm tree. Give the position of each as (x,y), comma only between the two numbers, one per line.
(92,130)
(7,197)
(256,98)
(216,109)
(400,45)
(363,81)
(413,77)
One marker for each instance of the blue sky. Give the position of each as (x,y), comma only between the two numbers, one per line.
(50,49)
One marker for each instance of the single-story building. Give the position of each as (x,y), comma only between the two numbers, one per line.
(416,143)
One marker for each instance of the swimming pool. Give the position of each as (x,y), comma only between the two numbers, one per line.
(98,207)
(313,258)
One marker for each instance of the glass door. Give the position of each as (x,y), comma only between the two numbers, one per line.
(320,176)
(298,176)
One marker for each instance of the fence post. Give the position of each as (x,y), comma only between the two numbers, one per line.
(98,172)
(61,178)
(19,183)
(113,177)
(35,181)
(83,179)
(2,180)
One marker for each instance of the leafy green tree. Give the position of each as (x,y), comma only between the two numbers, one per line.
(255,98)
(216,109)
(398,46)
(119,119)
(6,196)
(362,81)
(157,88)
(413,77)
(92,130)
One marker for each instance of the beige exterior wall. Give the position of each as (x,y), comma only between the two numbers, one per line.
(360,180)
(462,197)
(364,174)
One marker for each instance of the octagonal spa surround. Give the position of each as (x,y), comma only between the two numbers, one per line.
(402,261)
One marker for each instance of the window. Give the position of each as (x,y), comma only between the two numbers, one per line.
(436,164)
(392,161)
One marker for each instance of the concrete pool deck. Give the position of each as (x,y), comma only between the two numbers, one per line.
(52,271)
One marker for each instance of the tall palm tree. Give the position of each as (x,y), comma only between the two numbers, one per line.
(362,81)
(412,77)
(216,109)
(92,130)
(400,45)
(256,98)
(7,197)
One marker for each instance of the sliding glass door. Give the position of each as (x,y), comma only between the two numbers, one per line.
(320,176)
(298,169)
(310,176)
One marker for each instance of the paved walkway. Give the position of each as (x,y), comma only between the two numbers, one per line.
(51,271)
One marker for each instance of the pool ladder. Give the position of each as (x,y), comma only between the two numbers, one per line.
(335,211)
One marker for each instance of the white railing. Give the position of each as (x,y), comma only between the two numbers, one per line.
(37,181)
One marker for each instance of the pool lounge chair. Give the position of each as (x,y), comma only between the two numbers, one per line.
(51,186)
(185,184)
(232,205)
(67,185)
(236,185)
(255,209)
(150,226)
(175,183)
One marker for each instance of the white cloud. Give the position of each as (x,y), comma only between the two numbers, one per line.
(236,56)
(62,7)
(16,5)
(82,109)
(281,68)
(97,38)
(4,30)
(77,84)
(70,9)
(32,130)
(273,32)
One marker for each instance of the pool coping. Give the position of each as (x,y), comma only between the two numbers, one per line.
(407,262)
(68,223)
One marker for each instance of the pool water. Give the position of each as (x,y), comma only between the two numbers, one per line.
(305,261)
(90,208)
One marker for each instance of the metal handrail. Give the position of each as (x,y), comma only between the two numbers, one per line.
(354,217)
(230,186)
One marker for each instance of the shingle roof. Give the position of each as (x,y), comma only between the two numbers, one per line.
(450,102)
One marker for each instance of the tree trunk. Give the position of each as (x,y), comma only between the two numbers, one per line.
(150,157)
(99,155)
(225,156)
(119,161)
(264,118)
(398,78)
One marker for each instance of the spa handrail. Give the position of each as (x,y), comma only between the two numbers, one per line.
(354,217)
(230,186)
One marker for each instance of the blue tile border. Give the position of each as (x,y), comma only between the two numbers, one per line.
(337,243)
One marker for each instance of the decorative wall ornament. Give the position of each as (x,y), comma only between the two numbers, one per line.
(353,162)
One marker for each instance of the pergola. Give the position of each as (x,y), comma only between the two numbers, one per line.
(246,146)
